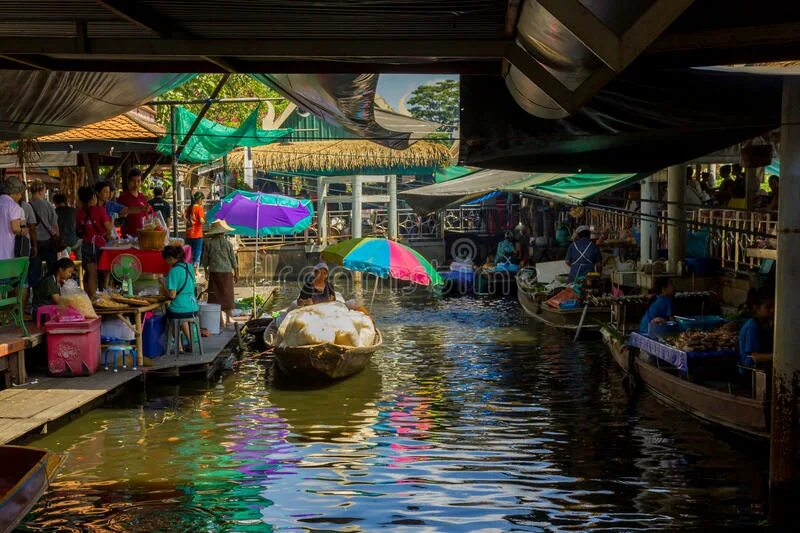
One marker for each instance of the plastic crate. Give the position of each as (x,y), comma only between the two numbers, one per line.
(73,348)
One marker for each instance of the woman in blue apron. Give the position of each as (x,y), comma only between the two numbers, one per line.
(583,256)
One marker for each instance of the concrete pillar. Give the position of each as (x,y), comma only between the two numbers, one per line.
(648,222)
(248,166)
(322,210)
(355,210)
(392,186)
(676,213)
(784,468)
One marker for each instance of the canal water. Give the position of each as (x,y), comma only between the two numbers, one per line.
(471,418)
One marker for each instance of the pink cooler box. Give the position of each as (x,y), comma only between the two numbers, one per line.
(73,348)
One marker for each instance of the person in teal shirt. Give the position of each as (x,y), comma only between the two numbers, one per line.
(506,249)
(179,287)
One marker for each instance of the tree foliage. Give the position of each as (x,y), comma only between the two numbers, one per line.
(438,102)
(238,86)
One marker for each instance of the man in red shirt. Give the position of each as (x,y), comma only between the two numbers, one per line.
(136,202)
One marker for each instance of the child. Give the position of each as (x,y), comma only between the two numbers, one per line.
(48,290)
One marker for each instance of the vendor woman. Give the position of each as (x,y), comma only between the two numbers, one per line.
(755,337)
(660,309)
(317,289)
(583,256)
(48,290)
(179,287)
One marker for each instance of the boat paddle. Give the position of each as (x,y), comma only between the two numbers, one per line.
(580,324)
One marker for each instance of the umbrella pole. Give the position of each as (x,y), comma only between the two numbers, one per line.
(374,292)
(255,257)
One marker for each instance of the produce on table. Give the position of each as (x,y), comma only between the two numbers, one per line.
(723,338)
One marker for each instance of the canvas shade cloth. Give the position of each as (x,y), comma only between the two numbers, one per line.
(430,198)
(34,103)
(572,189)
(151,260)
(256,214)
(452,172)
(211,140)
(347,100)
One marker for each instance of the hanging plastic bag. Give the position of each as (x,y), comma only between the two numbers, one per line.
(73,296)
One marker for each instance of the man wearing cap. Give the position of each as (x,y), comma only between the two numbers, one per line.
(583,256)
(317,289)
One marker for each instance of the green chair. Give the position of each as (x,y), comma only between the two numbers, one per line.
(12,274)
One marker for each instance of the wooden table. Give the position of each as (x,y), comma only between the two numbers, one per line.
(137,327)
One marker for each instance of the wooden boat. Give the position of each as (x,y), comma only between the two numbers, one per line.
(744,415)
(24,476)
(564,319)
(317,362)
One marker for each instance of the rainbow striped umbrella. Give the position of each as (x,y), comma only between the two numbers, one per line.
(383,258)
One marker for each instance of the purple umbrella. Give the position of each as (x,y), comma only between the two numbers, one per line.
(256,214)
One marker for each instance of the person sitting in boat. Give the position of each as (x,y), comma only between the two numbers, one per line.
(660,309)
(583,256)
(507,250)
(755,337)
(317,289)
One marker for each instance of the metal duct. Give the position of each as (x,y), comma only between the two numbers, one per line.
(562,70)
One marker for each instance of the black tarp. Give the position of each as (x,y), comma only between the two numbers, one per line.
(36,103)
(639,122)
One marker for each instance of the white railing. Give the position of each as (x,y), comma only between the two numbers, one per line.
(731,231)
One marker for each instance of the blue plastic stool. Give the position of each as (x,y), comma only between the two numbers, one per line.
(174,334)
(119,349)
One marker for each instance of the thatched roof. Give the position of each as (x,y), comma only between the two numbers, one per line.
(345,157)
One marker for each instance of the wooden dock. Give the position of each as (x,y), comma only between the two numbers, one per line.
(45,401)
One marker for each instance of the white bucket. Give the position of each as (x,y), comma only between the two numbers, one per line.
(210,317)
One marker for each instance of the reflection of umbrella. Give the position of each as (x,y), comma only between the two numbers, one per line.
(383,258)
(255,214)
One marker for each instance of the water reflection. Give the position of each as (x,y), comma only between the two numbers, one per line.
(469,418)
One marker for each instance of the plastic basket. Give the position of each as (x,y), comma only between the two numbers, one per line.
(151,239)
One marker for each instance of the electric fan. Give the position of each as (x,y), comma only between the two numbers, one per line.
(126,269)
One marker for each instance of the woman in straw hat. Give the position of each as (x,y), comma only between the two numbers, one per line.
(222,269)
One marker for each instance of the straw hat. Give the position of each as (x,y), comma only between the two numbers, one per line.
(219,227)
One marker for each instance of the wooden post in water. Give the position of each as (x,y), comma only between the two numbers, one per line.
(784,468)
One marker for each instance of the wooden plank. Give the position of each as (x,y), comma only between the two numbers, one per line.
(52,399)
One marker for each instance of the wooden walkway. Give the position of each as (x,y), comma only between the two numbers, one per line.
(47,400)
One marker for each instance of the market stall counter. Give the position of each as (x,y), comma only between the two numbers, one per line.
(151,260)
(122,310)
(678,358)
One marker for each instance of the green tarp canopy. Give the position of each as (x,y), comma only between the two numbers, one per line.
(570,188)
(211,140)
(452,172)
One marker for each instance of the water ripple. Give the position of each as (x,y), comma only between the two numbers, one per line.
(470,419)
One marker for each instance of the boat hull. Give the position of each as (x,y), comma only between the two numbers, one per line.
(321,362)
(564,319)
(26,475)
(742,415)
